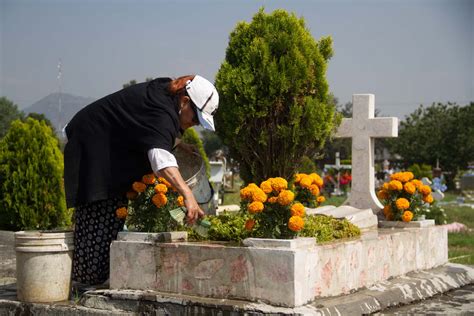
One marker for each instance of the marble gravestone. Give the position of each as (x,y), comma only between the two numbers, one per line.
(363,127)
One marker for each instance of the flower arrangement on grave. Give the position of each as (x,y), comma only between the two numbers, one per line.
(345,181)
(149,203)
(404,198)
(308,189)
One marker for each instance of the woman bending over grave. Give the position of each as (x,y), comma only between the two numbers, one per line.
(116,140)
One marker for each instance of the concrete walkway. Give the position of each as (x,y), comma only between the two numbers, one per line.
(450,290)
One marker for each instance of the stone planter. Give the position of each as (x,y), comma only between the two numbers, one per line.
(279,272)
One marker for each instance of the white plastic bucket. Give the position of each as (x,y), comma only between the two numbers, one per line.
(43,265)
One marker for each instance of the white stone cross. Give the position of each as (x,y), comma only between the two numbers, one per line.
(363,127)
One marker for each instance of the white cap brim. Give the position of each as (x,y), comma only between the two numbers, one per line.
(206,120)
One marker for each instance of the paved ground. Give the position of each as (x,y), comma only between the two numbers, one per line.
(456,302)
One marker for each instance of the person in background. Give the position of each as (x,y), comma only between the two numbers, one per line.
(116,140)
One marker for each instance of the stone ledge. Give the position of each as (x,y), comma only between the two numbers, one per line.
(406,289)
(302,242)
(412,224)
(177,236)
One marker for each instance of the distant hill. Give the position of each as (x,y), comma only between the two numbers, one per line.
(49,106)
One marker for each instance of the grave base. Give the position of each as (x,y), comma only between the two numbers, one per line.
(287,273)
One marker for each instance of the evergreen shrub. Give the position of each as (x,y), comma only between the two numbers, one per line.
(31,178)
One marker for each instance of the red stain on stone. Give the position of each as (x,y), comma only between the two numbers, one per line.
(327,273)
(363,278)
(278,274)
(239,269)
(174,261)
(317,290)
(385,272)
(186,285)
(354,260)
(345,290)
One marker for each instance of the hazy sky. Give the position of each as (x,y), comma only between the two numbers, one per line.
(405,52)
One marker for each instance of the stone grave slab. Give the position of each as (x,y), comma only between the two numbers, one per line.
(275,274)
(363,218)
(398,224)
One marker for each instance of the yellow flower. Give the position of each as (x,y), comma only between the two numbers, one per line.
(149,178)
(383,195)
(165,182)
(258,195)
(409,188)
(121,212)
(249,224)
(402,204)
(306,181)
(132,195)
(295,223)
(407,216)
(395,185)
(180,200)
(139,187)
(428,198)
(417,183)
(286,197)
(255,207)
(278,184)
(320,199)
(161,188)
(316,179)
(425,189)
(297,209)
(266,186)
(273,199)
(314,189)
(159,200)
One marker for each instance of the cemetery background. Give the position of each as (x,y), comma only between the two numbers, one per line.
(463,257)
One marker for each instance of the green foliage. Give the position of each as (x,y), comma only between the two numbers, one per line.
(225,227)
(440,131)
(274,104)
(191,137)
(8,113)
(421,170)
(42,117)
(327,228)
(307,165)
(31,171)
(436,212)
(211,141)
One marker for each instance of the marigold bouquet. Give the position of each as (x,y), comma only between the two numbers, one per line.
(272,209)
(404,198)
(149,203)
(308,189)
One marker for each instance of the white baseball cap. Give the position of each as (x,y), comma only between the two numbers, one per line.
(204,95)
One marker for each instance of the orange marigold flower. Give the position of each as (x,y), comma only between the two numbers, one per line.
(383,195)
(409,188)
(417,183)
(278,184)
(161,188)
(306,182)
(395,185)
(314,189)
(132,195)
(273,199)
(407,216)
(149,178)
(255,207)
(259,195)
(249,224)
(266,186)
(320,199)
(387,212)
(395,176)
(298,177)
(180,200)
(164,181)
(386,186)
(159,199)
(428,198)
(402,204)
(295,223)
(121,212)
(316,179)
(286,197)
(425,189)
(246,193)
(139,187)
(297,209)
(409,175)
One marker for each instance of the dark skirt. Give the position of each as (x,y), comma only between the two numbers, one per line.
(96,226)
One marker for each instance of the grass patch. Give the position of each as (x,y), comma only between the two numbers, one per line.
(461,245)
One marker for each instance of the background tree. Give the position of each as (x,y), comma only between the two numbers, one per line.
(191,137)
(8,112)
(440,131)
(274,105)
(211,142)
(41,117)
(133,81)
(31,184)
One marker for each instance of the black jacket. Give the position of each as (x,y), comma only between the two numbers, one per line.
(108,140)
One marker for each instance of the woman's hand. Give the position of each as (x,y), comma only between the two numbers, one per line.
(194,211)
